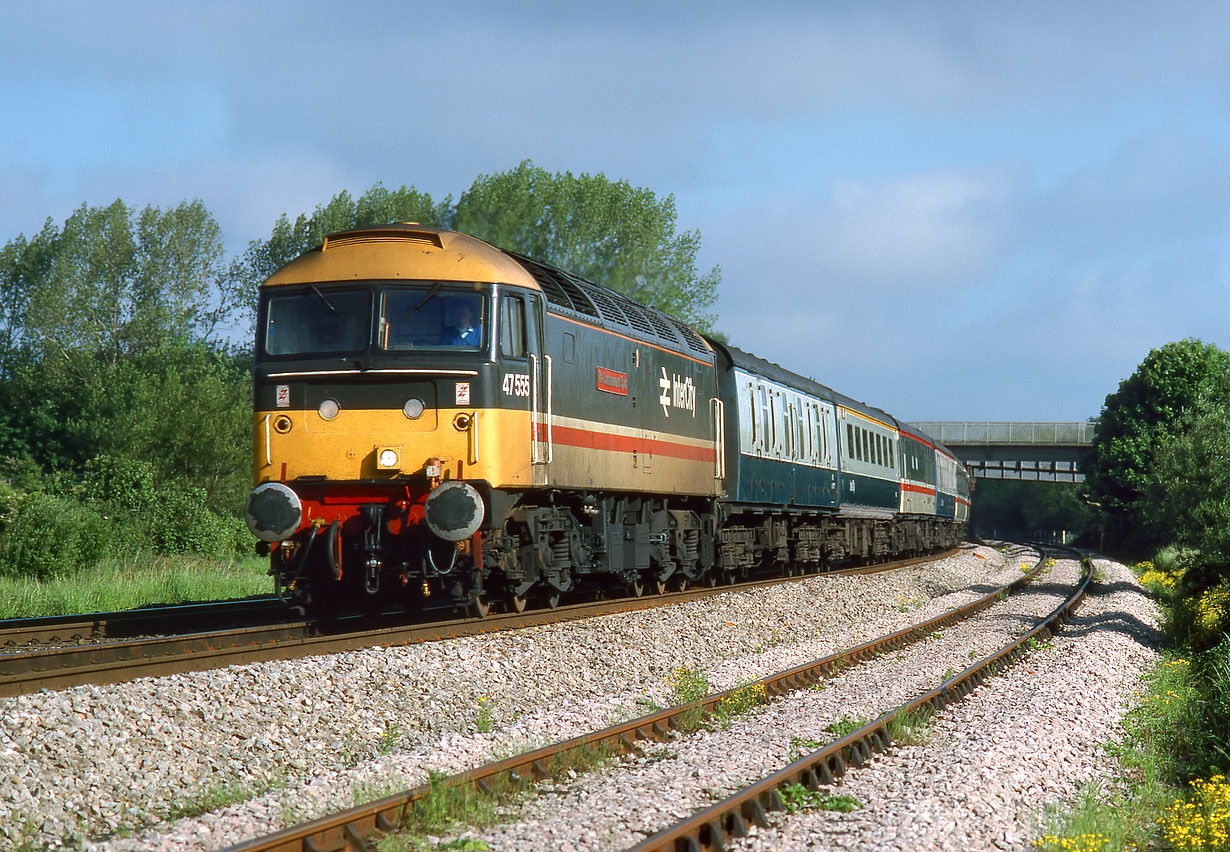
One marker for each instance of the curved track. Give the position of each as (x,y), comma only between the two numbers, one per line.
(349,829)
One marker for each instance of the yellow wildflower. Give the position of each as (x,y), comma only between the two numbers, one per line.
(1203,821)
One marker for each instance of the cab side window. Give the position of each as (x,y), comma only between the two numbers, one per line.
(512,327)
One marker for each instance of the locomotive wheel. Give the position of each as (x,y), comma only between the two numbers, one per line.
(659,587)
(516,603)
(636,588)
(480,606)
(551,598)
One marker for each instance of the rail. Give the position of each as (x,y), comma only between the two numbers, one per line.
(349,830)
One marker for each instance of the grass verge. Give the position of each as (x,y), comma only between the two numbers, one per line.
(1171,792)
(114,585)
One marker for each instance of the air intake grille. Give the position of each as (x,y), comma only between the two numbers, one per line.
(586,297)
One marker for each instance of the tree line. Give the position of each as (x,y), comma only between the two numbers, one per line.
(120,361)
(1158,475)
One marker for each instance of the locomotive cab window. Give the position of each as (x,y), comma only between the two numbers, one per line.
(314,321)
(430,317)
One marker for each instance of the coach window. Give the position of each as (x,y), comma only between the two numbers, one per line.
(801,450)
(787,433)
(811,436)
(766,419)
(821,436)
(512,327)
(772,416)
(752,411)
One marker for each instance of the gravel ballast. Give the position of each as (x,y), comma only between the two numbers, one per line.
(310,736)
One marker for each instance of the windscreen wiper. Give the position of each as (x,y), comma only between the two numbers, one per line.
(328,304)
(431,294)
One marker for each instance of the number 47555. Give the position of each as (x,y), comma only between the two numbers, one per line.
(516,384)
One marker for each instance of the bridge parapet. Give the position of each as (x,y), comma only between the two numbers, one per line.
(1049,452)
(957,433)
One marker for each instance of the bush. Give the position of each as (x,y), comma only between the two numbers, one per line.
(183,523)
(126,484)
(47,536)
(118,511)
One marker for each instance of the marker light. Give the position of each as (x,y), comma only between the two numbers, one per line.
(387,458)
(328,409)
(413,408)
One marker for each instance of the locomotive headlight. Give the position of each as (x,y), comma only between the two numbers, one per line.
(388,458)
(328,409)
(413,408)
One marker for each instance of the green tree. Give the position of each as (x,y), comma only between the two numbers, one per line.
(1173,387)
(1189,492)
(186,410)
(105,334)
(114,281)
(607,231)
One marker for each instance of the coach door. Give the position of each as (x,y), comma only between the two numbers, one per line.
(541,401)
(527,375)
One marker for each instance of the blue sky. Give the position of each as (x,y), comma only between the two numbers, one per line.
(963,210)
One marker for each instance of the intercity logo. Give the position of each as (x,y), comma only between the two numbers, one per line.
(677,393)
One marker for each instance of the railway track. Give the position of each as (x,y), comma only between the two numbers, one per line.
(109,657)
(19,633)
(712,828)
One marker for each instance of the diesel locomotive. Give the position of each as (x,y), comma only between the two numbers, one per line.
(442,423)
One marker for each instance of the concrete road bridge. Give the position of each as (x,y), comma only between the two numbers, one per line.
(1045,452)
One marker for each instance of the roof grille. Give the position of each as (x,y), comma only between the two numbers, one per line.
(376,235)
(695,341)
(568,291)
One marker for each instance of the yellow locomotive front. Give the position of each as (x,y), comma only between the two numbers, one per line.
(398,389)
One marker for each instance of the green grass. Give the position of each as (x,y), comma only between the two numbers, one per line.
(907,728)
(114,585)
(844,725)
(212,798)
(797,798)
(446,810)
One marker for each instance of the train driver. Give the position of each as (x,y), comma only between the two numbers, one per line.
(462,331)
